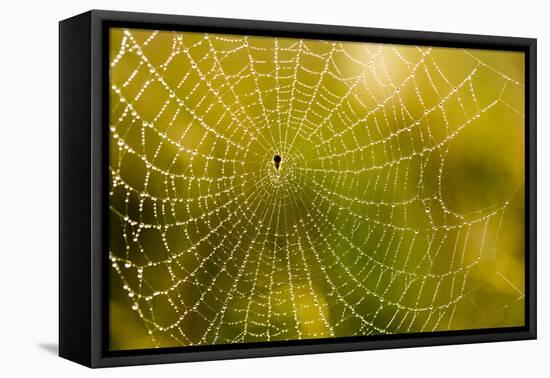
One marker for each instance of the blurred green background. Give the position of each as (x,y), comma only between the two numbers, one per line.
(398,205)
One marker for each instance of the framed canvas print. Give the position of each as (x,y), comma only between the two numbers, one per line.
(234,188)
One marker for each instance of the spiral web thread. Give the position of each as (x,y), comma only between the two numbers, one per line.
(211,243)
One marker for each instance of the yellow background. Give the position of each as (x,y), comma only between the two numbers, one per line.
(398,205)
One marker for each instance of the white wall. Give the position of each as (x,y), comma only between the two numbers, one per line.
(28,185)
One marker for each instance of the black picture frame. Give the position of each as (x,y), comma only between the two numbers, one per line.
(83,182)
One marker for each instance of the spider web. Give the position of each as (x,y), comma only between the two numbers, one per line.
(352,234)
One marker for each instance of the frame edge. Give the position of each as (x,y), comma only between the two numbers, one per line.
(74,189)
